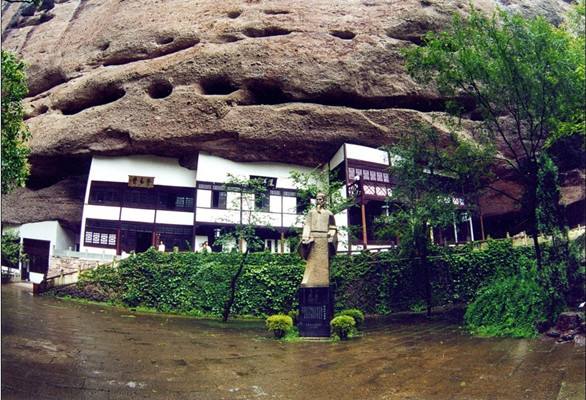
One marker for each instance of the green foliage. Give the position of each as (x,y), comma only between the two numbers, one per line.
(198,284)
(342,326)
(549,213)
(294,314)
(527,79)
(356,314)
(279,324)
(15,134)
(428,176)
(321,181)
(511,306)
(11,250)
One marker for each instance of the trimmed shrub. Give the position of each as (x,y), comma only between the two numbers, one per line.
(509,306)
(279,324)
(342,326)
(354,313)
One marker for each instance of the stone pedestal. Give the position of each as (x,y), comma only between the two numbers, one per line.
(316,309)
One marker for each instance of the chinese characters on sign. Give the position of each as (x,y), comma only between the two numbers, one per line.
(141,181)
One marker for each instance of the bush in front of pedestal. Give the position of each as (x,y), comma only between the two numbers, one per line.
(342,326)
(354,313)
(279,324)
(294,314)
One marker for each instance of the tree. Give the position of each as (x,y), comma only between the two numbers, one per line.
(250,192)
(428,178)
(15,168)
(309,184)
(526,78)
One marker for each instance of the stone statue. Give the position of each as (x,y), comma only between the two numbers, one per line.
(318,243)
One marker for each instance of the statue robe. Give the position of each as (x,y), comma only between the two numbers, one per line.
(320,237)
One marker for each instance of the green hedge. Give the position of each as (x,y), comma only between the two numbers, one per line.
(375,283)
(511,305)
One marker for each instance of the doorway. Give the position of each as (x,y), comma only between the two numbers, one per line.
(37,257)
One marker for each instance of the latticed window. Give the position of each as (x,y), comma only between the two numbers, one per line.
(101,239)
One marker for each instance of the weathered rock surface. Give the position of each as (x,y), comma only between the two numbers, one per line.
(62,202)
(247,80)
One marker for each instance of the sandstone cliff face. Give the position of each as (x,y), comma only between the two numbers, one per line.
(247,80)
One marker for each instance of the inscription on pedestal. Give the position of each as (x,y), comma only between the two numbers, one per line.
(315,311)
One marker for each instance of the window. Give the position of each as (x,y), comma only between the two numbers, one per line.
(262,202)
(101,239)
(175,236)
(302,204)
(100,233)
(139,198)
(104,193)
(175,199)
(219,199)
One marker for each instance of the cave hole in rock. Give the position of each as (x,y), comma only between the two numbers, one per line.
(43,108)
(276,12)
(267,92)
(234,14)
(218,85)
(46,17)
(104,46)
(165,40)
(160,89)
(96,97)
(228,38)
(46,80)
(265,32)
(346,35)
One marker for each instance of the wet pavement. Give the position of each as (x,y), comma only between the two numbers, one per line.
(55,349)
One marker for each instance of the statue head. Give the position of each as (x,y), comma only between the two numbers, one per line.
(320,199)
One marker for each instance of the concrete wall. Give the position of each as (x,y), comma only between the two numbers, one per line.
(363,153)
(166,171)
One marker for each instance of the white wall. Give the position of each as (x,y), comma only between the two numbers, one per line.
(215,169)
(337,158)
(137,215)
(204,198)
(51,231)
(363,153)
(65,239)
(214,215)
(166,171)
(101,212)
(174,217)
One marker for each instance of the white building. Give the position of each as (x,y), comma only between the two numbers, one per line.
(134,202)
(40,241)
(366,172)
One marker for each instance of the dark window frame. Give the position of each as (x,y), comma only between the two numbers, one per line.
(187,194)
(219,200)
(112,190)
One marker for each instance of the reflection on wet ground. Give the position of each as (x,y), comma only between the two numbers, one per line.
(53,349)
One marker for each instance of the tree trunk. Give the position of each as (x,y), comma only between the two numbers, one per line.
(427,274)
(233,284)
(534,229)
